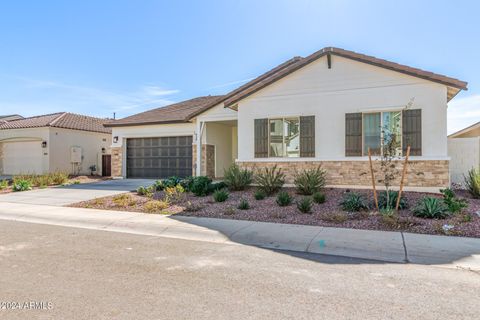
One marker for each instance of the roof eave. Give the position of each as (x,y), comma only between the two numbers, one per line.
(135,124)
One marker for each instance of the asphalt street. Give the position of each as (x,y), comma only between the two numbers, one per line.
(53,272)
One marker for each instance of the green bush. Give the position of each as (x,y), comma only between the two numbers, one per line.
(353,202)
(146,191)
(310,181)
(58,177)
(3,184)
(431,208)
(220,195)
(216,186)
(22,185)
(319,197)
(200,186)
(270,180)
(454,204)
(259,195)
(158,185)
(243,205)
(305,205)
(391,203)
(284,199)
(186,183)
(472,182)
(237,178)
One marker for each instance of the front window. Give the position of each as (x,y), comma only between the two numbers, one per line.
(284,137)
(379,128)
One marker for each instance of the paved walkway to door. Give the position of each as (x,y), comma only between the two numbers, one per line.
(65,195)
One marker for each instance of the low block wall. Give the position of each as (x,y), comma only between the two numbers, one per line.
(420,173)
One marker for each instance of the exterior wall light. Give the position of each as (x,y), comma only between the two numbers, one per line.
(44,144)
(115,139)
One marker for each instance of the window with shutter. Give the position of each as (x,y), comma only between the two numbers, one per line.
(353,134)
(307,136)
(412,131)
(261,138)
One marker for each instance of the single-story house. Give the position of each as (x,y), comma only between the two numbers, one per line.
(324,109)
(61,141)
(464,152)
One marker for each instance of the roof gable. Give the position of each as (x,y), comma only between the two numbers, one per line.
(276,74)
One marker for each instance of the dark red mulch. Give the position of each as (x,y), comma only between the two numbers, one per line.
(328,214)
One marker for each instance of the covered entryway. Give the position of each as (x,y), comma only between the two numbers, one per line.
(159,157)
(22,157)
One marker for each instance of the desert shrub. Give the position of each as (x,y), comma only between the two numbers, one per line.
(220,195)
(259,195)
(158,185)
(186,183)
(76,182)
(319,197)
(98,201)
(431,208)
(309,181)
(200,186)
(124,200)
(454,204)
(390,202)
(171,182)
(59,177)
(472,182)
(335,217)
(22,185)
(284,199)
(394,221)
(237,178)
(352,201)
(193,207)
(3,184)
(174,194)
(305,205)
(243,204)
(214,186)
(229,211)
(155,206)
(270,180)
(146,191)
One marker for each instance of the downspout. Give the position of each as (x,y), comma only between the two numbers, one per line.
(200,126)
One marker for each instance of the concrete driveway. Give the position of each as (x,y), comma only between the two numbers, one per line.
(65,195)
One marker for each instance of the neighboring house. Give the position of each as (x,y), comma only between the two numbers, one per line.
(464,152)
(10,117)
(325,109)
(54,142)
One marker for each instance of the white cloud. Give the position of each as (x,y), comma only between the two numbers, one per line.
(463,112)
(227,84)
(53,96)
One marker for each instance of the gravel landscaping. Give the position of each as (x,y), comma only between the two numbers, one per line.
(329,213)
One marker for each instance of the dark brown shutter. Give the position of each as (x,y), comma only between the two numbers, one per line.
(307,136)
(353,134)
(261,138)
(412,131)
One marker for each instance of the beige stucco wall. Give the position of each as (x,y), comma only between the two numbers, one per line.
(347,87)
(220,135)
(30,134)
(91,143)
(465,155)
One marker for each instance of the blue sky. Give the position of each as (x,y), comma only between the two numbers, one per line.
(100,57)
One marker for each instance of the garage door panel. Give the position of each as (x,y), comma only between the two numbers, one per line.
(159,157)
(22,157)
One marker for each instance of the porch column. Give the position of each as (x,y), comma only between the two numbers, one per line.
(200,126)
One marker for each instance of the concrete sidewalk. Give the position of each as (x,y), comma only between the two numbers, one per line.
(398,247)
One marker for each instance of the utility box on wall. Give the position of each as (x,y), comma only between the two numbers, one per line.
(76,155)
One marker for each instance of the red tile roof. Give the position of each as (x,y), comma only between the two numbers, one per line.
(64,120)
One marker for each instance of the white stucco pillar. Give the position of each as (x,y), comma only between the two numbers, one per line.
(200,126)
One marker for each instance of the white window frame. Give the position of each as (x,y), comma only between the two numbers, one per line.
(283,136)
(381,131)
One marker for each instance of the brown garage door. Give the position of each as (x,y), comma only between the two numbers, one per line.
(159,157)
